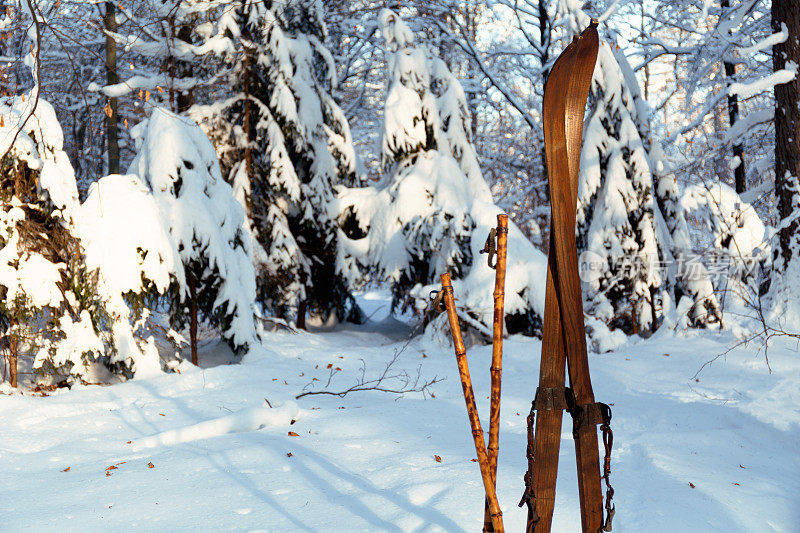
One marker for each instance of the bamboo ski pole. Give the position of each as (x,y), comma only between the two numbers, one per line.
(472,409)
(496,370)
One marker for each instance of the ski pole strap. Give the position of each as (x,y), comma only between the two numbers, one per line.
(437,300)
(553,399)
(608,444)
(529,496)
(491,247)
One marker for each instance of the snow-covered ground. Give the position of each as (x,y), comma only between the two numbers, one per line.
(718,454)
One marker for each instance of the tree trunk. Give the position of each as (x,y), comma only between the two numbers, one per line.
(13,348)
(301,315)
(192,316)
(185,98)
(544,41)
(112,129)
(733,117)
(787,121)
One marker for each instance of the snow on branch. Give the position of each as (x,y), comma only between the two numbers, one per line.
(772,40)
(746,90)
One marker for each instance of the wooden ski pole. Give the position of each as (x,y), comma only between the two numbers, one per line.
(496,369)
(472,409)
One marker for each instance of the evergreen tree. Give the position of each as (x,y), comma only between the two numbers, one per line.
(217,280)
(59,299)
(426,227)
(285,145)
(432,210)
(685,275)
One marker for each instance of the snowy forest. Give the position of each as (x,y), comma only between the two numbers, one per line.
(223,225)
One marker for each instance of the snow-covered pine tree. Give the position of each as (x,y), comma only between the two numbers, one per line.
(179,165)
(432,211)
(426,229)
(616,209)
(738,238)
(285,145)
(59,299)
(685,275)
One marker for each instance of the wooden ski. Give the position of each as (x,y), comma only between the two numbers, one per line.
(563,338)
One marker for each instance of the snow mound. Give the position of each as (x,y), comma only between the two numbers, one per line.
(126,253)
(251,419)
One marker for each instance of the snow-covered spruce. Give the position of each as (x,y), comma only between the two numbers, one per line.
(432,211)
(686,275)
(284,145)
(126,241)
(55,303)
(741,248)
(205,222)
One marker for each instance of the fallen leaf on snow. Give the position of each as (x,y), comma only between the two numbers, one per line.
(691,484)
(437,458)
(293,434)
(150,465)
(66,469)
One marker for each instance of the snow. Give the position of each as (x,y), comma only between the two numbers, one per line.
(40,144)
(616,209)
(433,210)
(80,339)
(734,224)
(772,40)
(365,462)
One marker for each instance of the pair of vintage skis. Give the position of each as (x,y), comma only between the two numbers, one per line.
(563,335)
